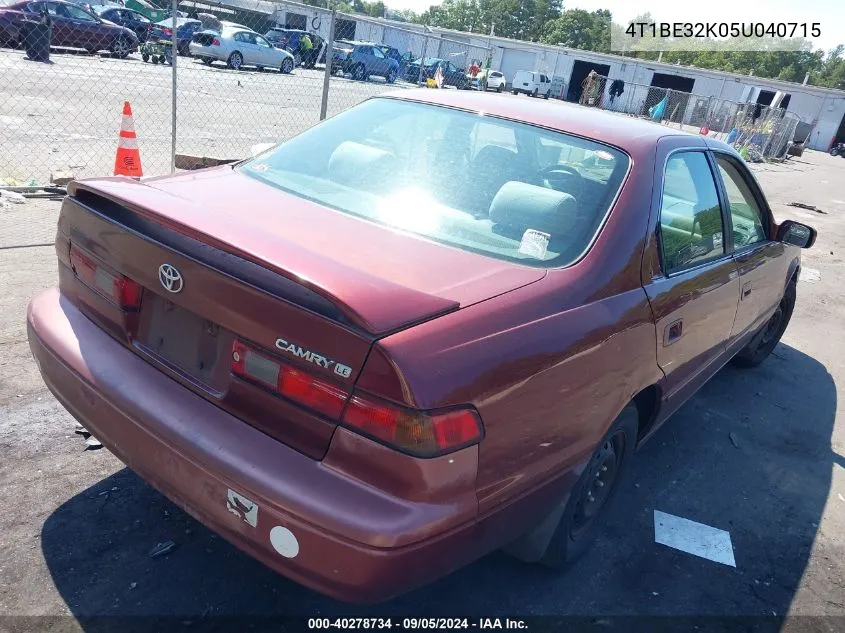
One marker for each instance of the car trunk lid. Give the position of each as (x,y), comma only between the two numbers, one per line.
(307,287)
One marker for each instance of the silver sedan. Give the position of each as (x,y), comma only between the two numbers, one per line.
(238,46)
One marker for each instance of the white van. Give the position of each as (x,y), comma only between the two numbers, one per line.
(531,83)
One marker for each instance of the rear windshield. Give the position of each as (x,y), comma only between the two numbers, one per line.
(492,186)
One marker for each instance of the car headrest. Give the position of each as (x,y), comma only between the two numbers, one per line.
(521,206)
(356,164)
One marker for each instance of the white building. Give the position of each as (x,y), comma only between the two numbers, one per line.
(822,110)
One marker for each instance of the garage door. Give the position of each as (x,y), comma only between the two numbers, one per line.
(513,60)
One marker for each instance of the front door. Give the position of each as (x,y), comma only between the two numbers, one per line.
(760,262)
(265,50)
(695,294)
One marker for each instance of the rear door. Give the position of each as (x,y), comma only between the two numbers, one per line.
(759,259)
(695,292)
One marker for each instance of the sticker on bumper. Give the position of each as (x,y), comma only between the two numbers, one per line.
(242,508)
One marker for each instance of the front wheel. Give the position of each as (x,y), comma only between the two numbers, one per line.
(534,94)
(145,57)
(287,66)
(515,92)
(358,73)
(593,492)
(834,151)
(764,342)
(499,89)
(235,60)
(207,61)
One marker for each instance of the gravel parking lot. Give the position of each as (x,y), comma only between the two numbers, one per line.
(220,112)
(759,454)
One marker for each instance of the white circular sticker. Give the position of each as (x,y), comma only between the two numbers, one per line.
(284,542)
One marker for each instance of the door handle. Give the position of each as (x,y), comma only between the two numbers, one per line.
(673,332)
(746,289)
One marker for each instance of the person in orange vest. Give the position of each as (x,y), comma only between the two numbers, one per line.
(474,69)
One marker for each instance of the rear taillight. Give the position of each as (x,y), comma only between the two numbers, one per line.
(168,32)
(215,42)
(117,288)
(420,433)
(291,383)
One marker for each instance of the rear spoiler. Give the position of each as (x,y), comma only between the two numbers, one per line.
(333,289)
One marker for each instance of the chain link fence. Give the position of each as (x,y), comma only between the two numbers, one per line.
(756,131)
(244,73)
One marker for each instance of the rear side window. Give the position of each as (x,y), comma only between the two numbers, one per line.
(691,228)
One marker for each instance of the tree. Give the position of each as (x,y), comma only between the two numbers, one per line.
(577,28)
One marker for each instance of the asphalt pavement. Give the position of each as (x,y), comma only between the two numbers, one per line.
(758,454)
(220,112)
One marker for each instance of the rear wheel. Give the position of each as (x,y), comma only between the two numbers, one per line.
(145,57)
(391,76)
(287,66)
(515,92)
(235,60)
(764,342)
(534,94)
(207,61)
(546,96)
(593,491)
(121,46)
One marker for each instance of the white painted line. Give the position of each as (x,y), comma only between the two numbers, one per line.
(693,538)
(809,274)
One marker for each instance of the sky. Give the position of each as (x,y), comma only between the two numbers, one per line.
(830,14)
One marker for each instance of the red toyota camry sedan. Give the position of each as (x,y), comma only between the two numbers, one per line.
(435,325)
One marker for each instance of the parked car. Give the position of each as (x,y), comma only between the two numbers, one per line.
(365,420)
(531,83)
(452,75)
(185,29)
(73,27)
(497,81)
(240,47)
(838,149)
(362,60)
(138,23)
(290,39)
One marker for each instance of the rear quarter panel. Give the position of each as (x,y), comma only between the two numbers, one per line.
(548,366)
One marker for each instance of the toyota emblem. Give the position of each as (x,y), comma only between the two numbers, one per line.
(170,278)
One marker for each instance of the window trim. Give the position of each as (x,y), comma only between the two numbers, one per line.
(727,235)
(756,192)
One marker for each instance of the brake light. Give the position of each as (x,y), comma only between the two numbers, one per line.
(291,383)
(215,42)
(416,432)
(117,288)
(168,32)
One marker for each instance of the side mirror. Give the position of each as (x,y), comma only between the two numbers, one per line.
(796,234)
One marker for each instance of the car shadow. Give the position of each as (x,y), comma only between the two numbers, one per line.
(750,453)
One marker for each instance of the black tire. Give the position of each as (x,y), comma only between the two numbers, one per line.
(287,66)
(515,92)
(764,342)
(121,47)
(500,88)
(235,61)
(391,77)
(359,73)
(834,152)
(207,61)
(145,57)
(546,96)
(594,491)
(155,59)
(534,94)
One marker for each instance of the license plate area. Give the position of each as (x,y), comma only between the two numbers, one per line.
(184,341)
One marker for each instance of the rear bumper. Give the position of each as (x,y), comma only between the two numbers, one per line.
(325,524)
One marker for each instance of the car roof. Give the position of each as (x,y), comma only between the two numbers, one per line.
(621,130)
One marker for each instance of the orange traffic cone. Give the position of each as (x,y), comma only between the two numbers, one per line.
(128,159)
